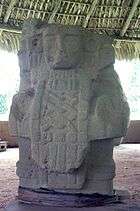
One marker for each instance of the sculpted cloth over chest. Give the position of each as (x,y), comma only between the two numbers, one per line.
(63,143)
(73,112)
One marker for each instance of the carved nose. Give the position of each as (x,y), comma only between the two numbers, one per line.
(61,49)
(61,54)
(60,45)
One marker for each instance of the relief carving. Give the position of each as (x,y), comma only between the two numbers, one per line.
(76,110)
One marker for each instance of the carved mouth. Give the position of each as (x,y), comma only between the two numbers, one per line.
(62,66)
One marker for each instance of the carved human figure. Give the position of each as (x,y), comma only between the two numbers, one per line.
(77,109)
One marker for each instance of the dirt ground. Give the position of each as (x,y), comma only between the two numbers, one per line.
(127,158)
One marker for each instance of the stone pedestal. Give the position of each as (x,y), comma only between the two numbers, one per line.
(125,205)
(54,198)
(68,112)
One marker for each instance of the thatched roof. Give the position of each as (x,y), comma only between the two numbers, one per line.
(117,18)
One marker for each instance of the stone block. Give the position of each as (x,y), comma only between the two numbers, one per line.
(69,109)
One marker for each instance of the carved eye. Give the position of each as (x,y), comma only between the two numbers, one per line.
(49,43)
(72,42)
(34,42)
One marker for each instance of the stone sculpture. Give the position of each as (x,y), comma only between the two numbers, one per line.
(74,108)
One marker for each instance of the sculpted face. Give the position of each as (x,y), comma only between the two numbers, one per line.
(62,47)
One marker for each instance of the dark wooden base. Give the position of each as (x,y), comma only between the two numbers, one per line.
(53,198)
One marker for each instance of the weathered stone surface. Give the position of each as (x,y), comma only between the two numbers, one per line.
(125,206)
(71,111)
(56,199)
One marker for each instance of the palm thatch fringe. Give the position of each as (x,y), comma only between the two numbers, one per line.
(10,42)
(127,51)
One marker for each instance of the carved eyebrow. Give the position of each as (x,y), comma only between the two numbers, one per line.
(65,34)
(50,34)
(73,35)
